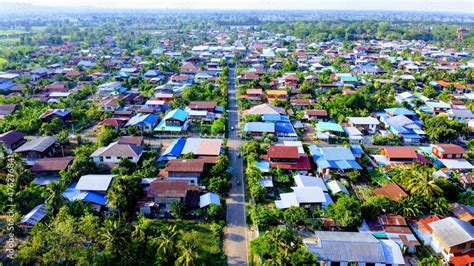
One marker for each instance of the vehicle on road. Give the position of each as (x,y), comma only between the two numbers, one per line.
(238,155)
(232,128)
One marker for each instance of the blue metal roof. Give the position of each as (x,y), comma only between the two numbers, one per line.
(175,148)
(73,194)
(285,127)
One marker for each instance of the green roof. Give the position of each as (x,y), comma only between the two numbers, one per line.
(326,126)
(335,187)
(349,79)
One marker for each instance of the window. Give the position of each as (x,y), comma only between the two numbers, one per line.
(450,155)
(131,158)
(108,157)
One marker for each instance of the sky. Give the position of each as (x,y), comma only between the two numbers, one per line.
(464,6)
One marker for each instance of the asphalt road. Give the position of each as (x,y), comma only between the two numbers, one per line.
(235,234)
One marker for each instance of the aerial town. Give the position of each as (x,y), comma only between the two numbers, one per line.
(236,139)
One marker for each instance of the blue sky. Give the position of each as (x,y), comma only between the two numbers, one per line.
(465,6)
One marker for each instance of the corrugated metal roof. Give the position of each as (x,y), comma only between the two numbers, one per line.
(94,182)
(453,231)
(347,247)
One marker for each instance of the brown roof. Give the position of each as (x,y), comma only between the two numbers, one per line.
(254,91)
(392,220)
(450,148)
(137,140)
(52,164)
(202,105)
(6,109)
(286,152)
(400,153)
(11,137)
(169,189)
(316,112)
(391,191)
(185,165)
(301,102)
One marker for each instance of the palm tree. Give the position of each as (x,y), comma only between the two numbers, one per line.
(53,195)
(422,182)
(112,236)
(440,206)
(167,241)
(410,207)
(188,255)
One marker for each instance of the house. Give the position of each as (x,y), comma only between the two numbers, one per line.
(315,115)
(115,151)
(335,187)
(202,110)
(33,217)
(90,189)
(266,110)
(330,159)
(308,197)
(258,129)
(203,147)
(110,88)
(288,158)
(145,123)
(63,114)
(11,140)
(174,121)
(451,237)
(448,151)
(188,69)
(110,103)
(50,167)
(327,129)
(115,123)
(254,96)
(38,148)
(189,170)
(367,125)
(165,192)
(132,140)
(399,155)
(342,248)
(461,115)
(273,95)
(7,109)
(463,212)
(391,191)
(208,199)
(393,227)
(301,104)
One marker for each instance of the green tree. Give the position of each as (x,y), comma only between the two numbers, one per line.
(215,211)
(218,127)
(346,211)
(125,193)
(295,216)
(105,136)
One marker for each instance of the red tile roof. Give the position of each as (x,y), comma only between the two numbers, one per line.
(302,164)
(391,191)
(400,153)
(283,152)
(185,165)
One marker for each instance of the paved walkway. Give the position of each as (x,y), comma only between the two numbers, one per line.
(235,234)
